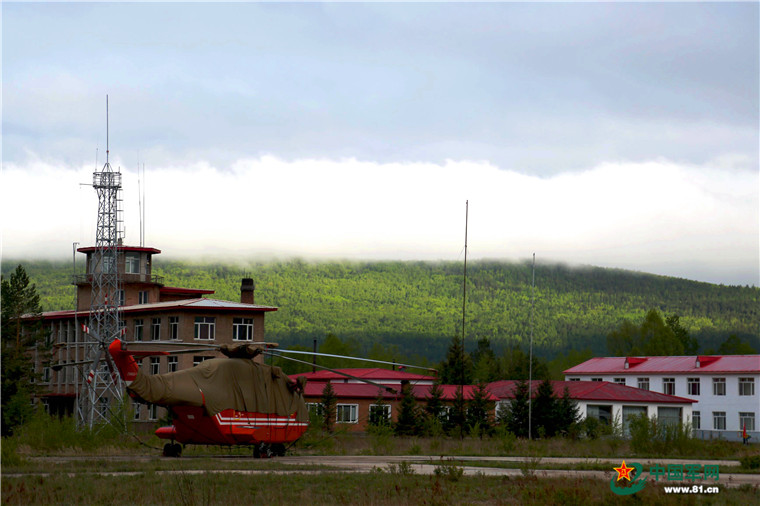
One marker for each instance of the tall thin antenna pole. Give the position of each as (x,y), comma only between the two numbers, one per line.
(143,205)
(107,145)
(464,285)
(530,363)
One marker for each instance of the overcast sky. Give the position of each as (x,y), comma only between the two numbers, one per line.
(619,135)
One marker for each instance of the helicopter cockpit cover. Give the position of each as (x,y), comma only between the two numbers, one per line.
(224,383)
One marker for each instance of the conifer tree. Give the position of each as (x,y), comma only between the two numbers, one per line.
(478,409)
(327,406)
(516,418)
(408,420)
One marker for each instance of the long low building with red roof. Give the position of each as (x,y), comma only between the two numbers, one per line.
(724,387)
(608,402)
(357,398)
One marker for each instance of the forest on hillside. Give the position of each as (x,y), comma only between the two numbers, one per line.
(416,307)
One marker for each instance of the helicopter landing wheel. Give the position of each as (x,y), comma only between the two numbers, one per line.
(262,451)
(278,450)
(172,450)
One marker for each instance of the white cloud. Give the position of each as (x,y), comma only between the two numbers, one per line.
(689,221)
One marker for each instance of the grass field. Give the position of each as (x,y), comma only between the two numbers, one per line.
(49,463)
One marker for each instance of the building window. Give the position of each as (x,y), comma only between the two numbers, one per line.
(155,329)
(747,386)
(601,413)
(347,413)
(596,379)
(132,263)
(121,295)
(669,386)
(574,379)
(643,383)
(46,374)
(619,381)
(142,297)
(174,327)
(746,421)
(696,420)
(103,407)
(198,359)
(379,413)
(204,327)
(242,329)
(171,363)
(719,420)
(155,365)
(138,329)
(108,263)
(153,412)
(693,386)
(315,409)
(136,408)
(719,386)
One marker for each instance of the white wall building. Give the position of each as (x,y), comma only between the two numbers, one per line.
(724,388)
(606,401)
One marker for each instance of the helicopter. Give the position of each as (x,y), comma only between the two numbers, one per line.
(228,401)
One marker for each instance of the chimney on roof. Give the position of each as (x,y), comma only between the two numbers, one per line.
(246,291)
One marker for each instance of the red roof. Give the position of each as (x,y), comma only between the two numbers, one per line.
(669,365)
(366,391)
(375,374)
(590,391)
(198,304)
(177,290)
(90,249)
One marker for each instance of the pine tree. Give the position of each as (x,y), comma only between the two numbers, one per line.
(327,406)
(19,298)
(457,368)
(457,414)
(567,412)
(544,411)
(434,406)
(517,415)
(408,420)
(478,409)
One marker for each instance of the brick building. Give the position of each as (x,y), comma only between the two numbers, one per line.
(150,311)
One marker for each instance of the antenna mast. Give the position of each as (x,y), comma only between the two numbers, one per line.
(530,359)
(102,386)
(464,284)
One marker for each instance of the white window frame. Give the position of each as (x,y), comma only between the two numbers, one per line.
(696,420)
(347,413)
(242,329)
(132,263)
(155,329)
(155,365)
(669,386)
(136,408)
(172,364)
(719,386)
(153,412)
(122,296)
(143,297)
(386,408)
(619,381)
(598,380)
(746,386)
(719,418)
(642,383)
(174,327)
(198,359)
(139,333)
(204,325)
(749,418)
(693,386)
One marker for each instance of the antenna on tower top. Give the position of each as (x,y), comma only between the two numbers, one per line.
(106,128)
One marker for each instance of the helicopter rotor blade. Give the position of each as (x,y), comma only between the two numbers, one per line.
(57,367)
(363,380)
(318,354)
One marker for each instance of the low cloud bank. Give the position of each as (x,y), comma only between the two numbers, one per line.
(697,222)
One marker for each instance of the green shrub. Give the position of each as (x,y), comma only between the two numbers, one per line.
(750,462)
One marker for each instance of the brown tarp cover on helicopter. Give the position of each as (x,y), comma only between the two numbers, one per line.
(224,383)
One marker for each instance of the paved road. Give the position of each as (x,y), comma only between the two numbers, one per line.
(426,465)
